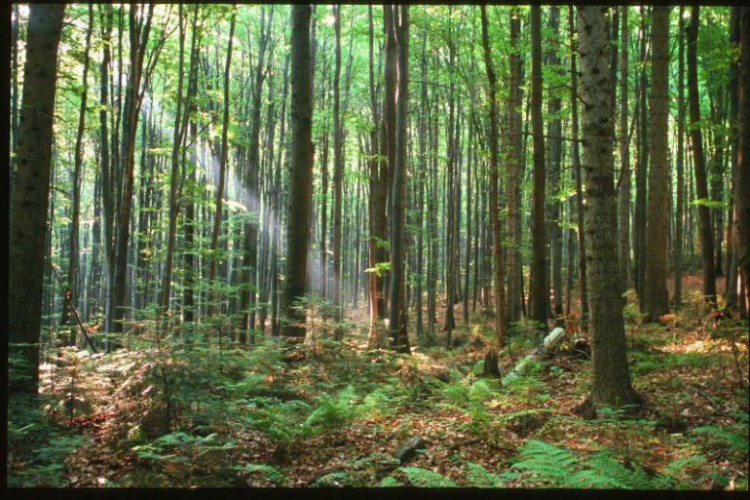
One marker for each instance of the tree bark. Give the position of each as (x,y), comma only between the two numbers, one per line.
(214,308)
(743,160)
(696,140)
(623,249)
(28,216)
(397,310)
(680,160)
(611,378)
(539,295)
(494,178)
(300,178)
(656,297)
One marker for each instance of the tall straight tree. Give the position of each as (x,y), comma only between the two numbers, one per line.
(74,274)
(494,178)
(28,216)
(338,170)
(397,310)
(696,141)
(213,307)
(539,295)
(139,31)
(680,160)
(623,249)
(514,171)
(301,173)
(576,160)
(656,297)
(743,160)
(177,136)
(611,378)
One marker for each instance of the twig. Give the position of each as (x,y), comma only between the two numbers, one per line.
(73,309)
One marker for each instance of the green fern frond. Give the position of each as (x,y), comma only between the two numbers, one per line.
(426,478)
(271,473)
(477,475)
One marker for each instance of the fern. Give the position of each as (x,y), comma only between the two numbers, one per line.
(426,478)
(333,413)
(734,437)
(338,478)
(390,482)
(270,473)
(559,467)
(476,475)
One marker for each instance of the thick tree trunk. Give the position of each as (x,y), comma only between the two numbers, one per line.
(300,179)
(656,298)
(701,182)
(611,383)
(28,216)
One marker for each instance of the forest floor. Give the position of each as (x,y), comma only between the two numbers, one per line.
(328,413)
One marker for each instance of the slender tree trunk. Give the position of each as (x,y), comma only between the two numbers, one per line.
(743,159)
(680,202)
(514,169)
(214,307)
(494,178)
(656,298)
(696,140)
(74,273)
(611,378)
(730,294)
(300,179)
(624,183)
(177,138)
(28,216)
(641,174)
(539,295)
(397,310)
(338,171)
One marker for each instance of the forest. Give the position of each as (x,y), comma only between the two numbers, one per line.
(369,246)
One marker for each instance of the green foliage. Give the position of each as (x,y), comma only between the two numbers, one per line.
(424,478)
(476,475)
(547,465)
(333,413)
(270,473)
(733,437)
(180,447)
(281,421)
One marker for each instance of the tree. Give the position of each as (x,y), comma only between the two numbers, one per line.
(28,216)
(300,175)
(611,379)
(696,141)
(494,178)
(680,160)
(397,310)
(656,298)
(214,308)
(74,274)
(539,295)
(743,161)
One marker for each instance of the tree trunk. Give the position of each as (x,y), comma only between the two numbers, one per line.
(177,137)
(300,179)
(696,140)
(623,250)
(214,307)
(576,160)
(494,178)
(74,273)
(338,171)
(611,379)
(514,169)
(656,298)
(539,295)
(397,310)
(743,160)
(28,216)
(680,202)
